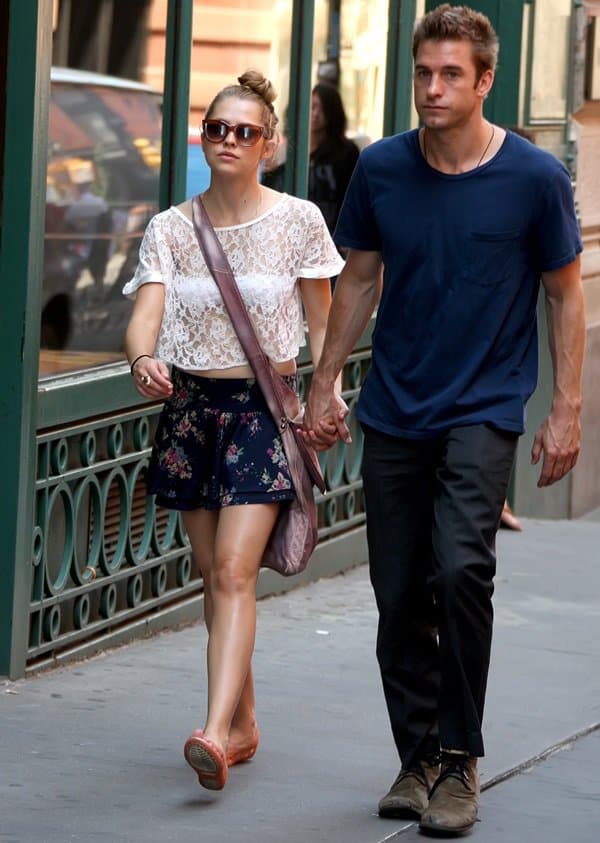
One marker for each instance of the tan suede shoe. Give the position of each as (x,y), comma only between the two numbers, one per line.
(454,799)
(408,796)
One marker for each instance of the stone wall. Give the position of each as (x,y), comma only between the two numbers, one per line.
(586,478)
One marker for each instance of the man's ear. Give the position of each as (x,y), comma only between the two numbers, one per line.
(485,82)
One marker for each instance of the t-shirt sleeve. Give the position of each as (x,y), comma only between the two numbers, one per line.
(320,259)
(150,269)
(557,230)
(356,226)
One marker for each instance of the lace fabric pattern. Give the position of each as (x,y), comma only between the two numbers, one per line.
(267,255)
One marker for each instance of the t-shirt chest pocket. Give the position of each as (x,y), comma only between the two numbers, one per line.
(490,257)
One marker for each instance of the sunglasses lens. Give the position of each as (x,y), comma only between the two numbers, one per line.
(214,131)
(248,135)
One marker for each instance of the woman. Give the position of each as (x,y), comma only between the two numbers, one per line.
(218,456)
(332,155)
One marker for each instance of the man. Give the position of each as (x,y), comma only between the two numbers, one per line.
(465,218)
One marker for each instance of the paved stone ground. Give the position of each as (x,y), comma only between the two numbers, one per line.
(93,752)
(557,800)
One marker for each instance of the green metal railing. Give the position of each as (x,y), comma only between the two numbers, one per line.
(105,563)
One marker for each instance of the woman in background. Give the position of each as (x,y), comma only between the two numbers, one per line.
(333,156)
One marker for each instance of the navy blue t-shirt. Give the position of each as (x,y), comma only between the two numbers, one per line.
(455,338)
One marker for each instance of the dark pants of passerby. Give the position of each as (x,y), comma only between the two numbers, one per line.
(433,509)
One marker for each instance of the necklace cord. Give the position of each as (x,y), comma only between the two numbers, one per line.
(484,153)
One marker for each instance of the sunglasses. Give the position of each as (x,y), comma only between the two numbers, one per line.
(246,134)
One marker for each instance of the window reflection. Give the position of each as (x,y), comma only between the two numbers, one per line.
(258,36)
(102,187)
(550,60)
(104,156)
(347,99)
(362,65)
(350,51)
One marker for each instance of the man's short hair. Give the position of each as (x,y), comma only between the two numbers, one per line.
(460,23)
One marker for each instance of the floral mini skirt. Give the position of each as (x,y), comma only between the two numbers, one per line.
(217,445)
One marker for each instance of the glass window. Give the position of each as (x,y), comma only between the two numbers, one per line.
(349,55)
(549,75)
(102,187)
(363,35)
(350,52)
(258,36)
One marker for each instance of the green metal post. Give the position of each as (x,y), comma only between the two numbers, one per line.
(21,270)
(176,102)
(398,71)
(503,105)
(298,122)
(529,67)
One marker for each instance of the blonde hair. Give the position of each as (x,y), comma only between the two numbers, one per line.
(460,23)
(252,85)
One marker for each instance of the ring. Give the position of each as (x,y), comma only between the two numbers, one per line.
(146,379)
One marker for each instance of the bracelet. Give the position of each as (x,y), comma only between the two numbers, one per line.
(139,357)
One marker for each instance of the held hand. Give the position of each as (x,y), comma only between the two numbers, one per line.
(324,417)
(559,438)
(151,377)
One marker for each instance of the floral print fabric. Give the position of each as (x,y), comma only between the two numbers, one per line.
(217,445)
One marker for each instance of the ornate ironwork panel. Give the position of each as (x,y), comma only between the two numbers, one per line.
(103,556)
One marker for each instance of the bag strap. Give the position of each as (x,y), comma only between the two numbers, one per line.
(216,261)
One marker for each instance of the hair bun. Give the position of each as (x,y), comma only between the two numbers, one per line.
(260,85)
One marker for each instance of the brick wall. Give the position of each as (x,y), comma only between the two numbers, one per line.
(228,37)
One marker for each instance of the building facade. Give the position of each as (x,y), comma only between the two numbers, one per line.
(86,559)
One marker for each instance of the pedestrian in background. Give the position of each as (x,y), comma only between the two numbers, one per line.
(218,456)
(333,156)
(465,218)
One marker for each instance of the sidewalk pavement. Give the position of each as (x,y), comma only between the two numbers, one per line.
(92,752)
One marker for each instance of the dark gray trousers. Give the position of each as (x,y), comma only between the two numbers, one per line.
(433,510)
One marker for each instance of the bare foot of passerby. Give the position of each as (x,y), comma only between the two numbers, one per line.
(509,520)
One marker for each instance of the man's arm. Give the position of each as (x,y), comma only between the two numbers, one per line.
(356,294)
(560,434)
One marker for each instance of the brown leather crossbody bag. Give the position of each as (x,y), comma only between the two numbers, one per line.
(295,534)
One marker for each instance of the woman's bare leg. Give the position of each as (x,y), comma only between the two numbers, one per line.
(201,526)
(242,535)
(229,557)
(242,723)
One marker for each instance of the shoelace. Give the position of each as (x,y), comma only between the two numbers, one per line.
(416,770)
(454,766)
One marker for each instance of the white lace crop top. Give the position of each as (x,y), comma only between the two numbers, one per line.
(267,255)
